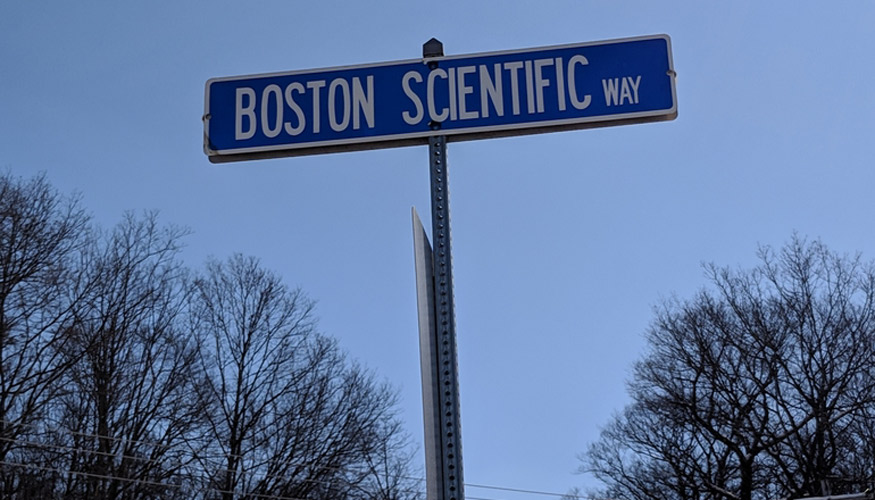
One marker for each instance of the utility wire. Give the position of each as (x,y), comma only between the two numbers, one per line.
(219,457)
(518,490)
(144,482)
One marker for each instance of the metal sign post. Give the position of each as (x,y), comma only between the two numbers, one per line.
(440,386)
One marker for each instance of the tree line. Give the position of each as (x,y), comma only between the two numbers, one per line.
(125,374)
(760,387)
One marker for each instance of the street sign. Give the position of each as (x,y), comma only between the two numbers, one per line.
(462,97)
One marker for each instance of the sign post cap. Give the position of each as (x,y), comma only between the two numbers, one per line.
(433,48)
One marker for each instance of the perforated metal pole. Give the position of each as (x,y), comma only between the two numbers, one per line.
(445,359)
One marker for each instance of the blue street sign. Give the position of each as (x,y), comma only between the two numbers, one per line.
(462,97)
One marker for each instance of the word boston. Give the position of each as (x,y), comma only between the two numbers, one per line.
(461,97)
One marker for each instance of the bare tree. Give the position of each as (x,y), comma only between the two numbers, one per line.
(288,415)
(128,410)
(41,235)
(251,331)
(122,378)
(756,389)
(390,474)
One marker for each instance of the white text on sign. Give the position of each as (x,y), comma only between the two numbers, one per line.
(470,92)
(463,81)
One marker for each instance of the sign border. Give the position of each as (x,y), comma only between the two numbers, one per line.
(453,135)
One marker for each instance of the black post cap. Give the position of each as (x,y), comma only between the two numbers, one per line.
(433,48)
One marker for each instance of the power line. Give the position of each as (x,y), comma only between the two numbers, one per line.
(275,497)
(244,473)
(264,496)
(533,492)
(330,484)
(142,481)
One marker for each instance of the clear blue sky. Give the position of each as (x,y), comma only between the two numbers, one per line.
(562,242)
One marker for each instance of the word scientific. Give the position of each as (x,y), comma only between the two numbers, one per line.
(461,97)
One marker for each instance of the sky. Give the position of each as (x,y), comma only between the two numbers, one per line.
(562,243)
